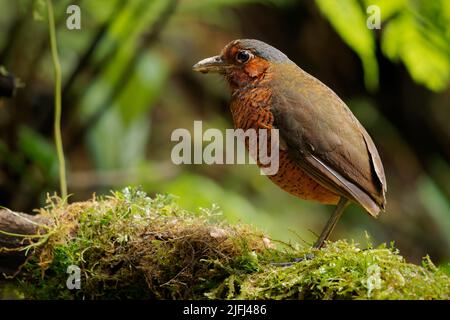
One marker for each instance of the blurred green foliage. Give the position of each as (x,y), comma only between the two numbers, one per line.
(414,32)
(349,19)
(40,151)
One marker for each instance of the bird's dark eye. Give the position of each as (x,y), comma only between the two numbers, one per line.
(243,56)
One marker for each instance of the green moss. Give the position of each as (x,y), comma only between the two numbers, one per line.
(129,245)
(344,271)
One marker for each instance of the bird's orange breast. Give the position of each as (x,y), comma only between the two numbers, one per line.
(251,110)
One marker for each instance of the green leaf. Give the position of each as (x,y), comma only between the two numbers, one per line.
(144,87)
(349,20)
(388,8)
(39,8)
(425,53)
(40,151)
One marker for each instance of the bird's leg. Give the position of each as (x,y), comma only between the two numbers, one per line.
(343,202)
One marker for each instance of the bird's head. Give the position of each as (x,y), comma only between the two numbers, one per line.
(243,62)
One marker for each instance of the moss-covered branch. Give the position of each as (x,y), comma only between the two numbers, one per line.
(131,246)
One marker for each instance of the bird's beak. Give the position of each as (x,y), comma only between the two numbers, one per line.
(212,64)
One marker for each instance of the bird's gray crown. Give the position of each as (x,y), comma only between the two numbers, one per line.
(263,50)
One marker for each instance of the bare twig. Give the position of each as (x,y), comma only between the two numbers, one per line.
(58,103)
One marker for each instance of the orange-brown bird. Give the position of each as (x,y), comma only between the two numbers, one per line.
(325,153)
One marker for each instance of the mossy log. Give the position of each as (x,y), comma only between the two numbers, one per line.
(13,227)
(129,245)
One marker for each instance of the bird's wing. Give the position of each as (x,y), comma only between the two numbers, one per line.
(327,140)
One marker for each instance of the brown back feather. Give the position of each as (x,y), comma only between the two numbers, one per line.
(326,138)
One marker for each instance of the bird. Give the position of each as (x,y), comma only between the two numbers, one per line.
(325,154)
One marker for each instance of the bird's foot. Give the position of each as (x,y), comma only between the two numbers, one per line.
(308,256)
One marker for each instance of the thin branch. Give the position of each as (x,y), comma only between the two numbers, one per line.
(58,107)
